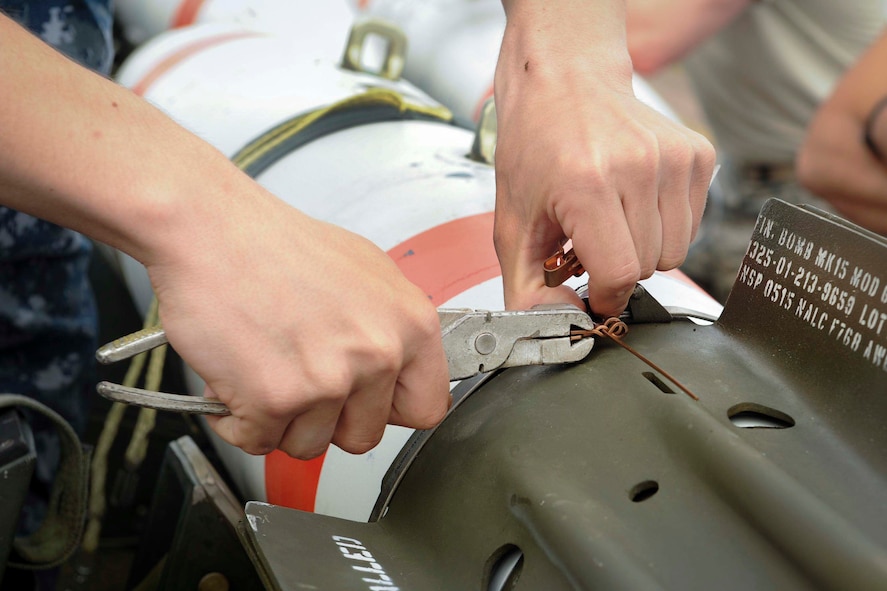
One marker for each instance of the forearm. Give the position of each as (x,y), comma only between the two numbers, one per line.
(661,32)
(84,152)
(835,161)
(836,165)
(550,42)
(579,157)
(298,362)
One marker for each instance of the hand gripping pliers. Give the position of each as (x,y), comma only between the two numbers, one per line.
(475,341)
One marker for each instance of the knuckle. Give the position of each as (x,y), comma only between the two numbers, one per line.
(703,148)
(275,403)
(622,278)
(671,259)
(431,418)
(266,392)
(701,152)
(323,380)
(358,444)
(258,448)
(680,154)
(331,387)
(385,353)
(428,322)
(252,442)
(308,453)
(642,145)
(687,156)
(588,174)
(646,270)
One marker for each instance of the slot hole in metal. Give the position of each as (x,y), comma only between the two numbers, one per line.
(374,52)
(504,568)
(749,415)
(642,491)
(657,381)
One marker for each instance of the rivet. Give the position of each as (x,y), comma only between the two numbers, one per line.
(214,581)
(485,343)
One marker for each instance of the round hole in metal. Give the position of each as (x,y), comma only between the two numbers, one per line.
(750,415)
(504,568)
(643,490)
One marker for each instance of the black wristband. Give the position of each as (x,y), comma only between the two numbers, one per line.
(868,129)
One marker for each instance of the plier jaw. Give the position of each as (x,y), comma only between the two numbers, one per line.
(478,341)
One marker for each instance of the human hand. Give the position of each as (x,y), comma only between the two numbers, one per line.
(579,157)
(308,333)
(834,164)
(843,157)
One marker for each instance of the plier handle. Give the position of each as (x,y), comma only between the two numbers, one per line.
(475,341)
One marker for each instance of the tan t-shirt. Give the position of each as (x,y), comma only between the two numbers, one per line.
(761,79)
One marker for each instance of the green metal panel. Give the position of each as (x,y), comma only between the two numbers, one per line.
(17,461)
(191,542)
(603,475)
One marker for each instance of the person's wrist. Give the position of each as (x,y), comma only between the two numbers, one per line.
(874,133)
(566,40)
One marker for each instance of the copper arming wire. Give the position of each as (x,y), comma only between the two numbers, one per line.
(615,329)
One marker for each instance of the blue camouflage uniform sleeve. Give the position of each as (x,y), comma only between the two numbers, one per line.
(48,318)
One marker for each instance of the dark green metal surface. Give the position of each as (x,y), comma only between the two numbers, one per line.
(603,475)
(17,461)
(191,541)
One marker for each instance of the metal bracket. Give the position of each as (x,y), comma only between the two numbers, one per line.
(395,48)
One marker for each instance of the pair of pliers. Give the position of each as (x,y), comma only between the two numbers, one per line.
(475,341)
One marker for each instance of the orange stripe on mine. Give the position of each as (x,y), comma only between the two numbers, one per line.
(186,13)
(171,61)
(290,482)
(451,258)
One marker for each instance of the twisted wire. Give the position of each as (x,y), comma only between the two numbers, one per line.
(614,329)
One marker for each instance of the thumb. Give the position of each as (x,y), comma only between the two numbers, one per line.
(529,296)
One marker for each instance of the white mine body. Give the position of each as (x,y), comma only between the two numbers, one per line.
(322,23)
